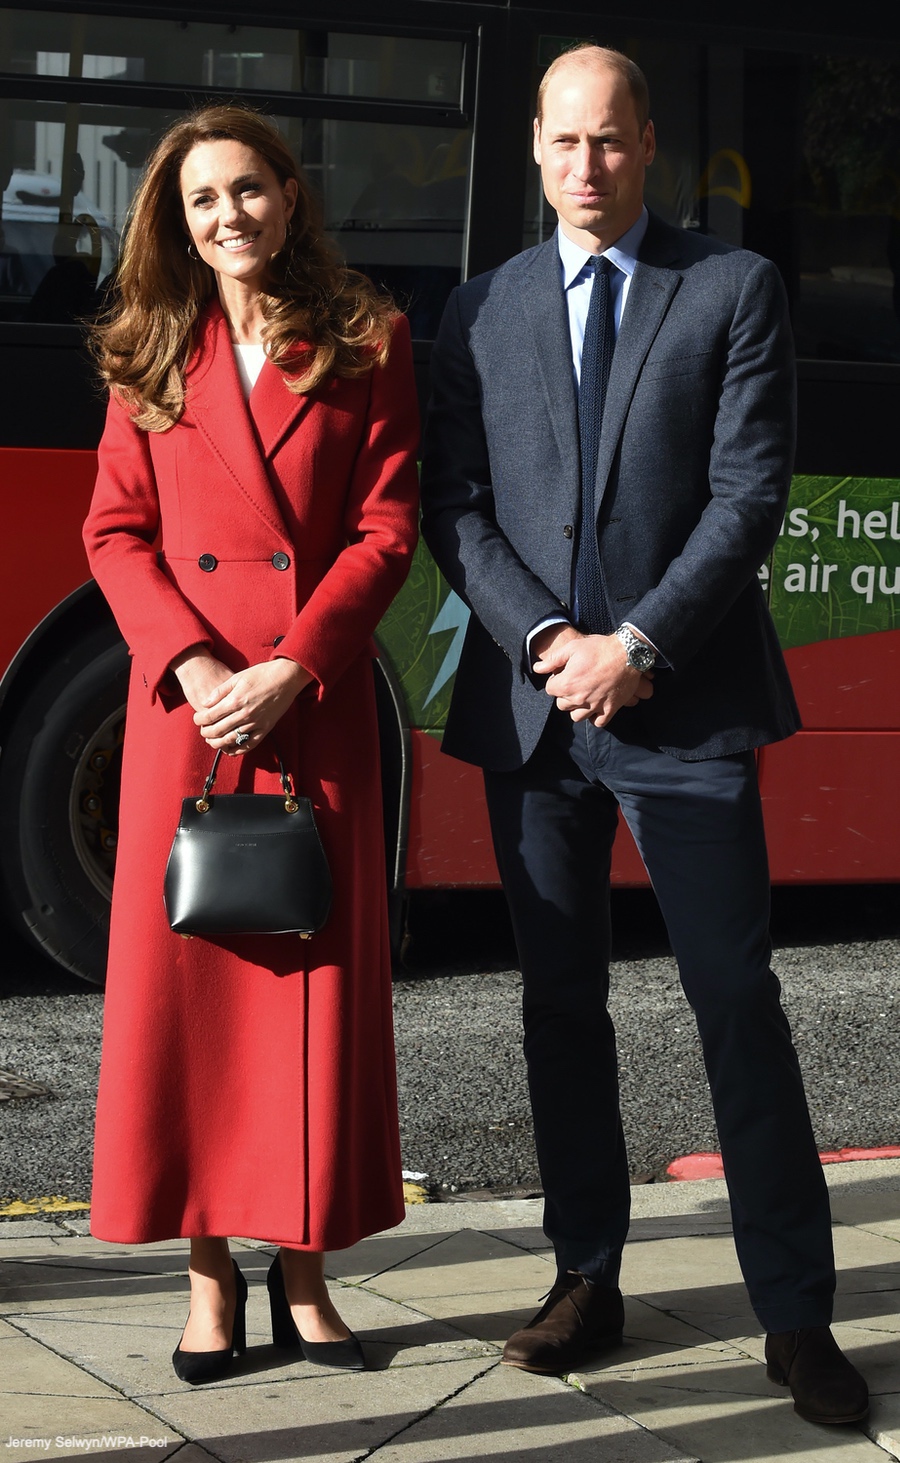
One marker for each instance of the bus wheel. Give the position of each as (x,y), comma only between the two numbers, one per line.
(59,798)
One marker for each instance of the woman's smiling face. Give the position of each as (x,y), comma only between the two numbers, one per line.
(236,210)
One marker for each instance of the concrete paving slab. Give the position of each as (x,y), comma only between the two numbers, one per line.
(190,1453)
(68,1249)
(469,1263)
(645,1322)
(883,1423)
(875,1353)
(132,1347)
(48,1399)
(489,1316)
(700,1196)
(887,1228)
(722,1427)
(30,1368)
(875,1310)
(868,1208)
(36,1287)
(530,1238)
(697,1264)
(374,1256)
(856,1248)
(320,1419)
(523,1214)
(511,1417)
(703,1370)
(731,1322)
(652,1361)
(679,1226)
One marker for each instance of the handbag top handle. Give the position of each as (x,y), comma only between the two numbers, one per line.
(290,802)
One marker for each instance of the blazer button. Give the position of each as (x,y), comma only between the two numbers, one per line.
(277,641)
(207,562)
(280,561)
(568,530)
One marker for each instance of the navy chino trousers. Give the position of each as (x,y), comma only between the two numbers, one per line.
(698,826)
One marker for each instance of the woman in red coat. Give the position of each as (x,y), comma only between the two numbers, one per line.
(254,515)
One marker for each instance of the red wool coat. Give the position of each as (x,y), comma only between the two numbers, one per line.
(247,1085)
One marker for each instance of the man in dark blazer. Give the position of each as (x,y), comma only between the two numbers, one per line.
(620,655)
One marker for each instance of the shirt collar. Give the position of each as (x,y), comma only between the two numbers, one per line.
(623,252)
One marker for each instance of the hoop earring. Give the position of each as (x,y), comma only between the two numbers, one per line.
(194,254)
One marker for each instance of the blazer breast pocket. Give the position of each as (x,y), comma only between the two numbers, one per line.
(665,367)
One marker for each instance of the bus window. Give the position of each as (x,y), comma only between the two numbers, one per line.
(395,201)
(244,58)
(395,191)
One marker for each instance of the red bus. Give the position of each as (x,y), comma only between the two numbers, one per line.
(783,136)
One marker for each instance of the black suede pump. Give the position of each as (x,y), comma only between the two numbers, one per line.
(210,1366)
(347,1354)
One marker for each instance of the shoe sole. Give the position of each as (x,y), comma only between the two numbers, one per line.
(830,1421)
(604,1343)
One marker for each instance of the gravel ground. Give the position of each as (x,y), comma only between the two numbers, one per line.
(463,1100)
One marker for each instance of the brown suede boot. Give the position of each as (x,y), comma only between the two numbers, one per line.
(576,1319)
(825,1386)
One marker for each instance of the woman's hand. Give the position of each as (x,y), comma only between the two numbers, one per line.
(199,674)
(249,703)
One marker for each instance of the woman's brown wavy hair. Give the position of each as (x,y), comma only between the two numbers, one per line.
(321,317)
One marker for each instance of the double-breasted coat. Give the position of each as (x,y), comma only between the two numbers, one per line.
(247,1084)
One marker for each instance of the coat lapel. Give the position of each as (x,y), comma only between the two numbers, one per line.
(273,409)
(544,306)
(215,402)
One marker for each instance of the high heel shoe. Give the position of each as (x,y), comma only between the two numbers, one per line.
(209,1366)
(347,1354)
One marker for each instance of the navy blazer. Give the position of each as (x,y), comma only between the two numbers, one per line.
(692,481)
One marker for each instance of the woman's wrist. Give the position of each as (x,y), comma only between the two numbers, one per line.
(198,652)
(298,676)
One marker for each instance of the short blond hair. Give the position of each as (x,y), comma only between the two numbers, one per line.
(587,52)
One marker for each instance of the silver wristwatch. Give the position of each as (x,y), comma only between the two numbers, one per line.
(638,653)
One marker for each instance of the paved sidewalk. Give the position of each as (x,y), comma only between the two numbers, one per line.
(87,1331)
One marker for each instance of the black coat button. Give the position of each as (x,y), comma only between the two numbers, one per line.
(277,641)
(207,562)
(568,530)
(280,561)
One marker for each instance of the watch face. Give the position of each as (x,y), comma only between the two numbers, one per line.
(641,657)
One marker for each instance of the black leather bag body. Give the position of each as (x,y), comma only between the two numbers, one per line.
(247,863)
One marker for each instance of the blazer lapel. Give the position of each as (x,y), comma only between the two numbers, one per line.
(649,296)
(215,402)
(544,306)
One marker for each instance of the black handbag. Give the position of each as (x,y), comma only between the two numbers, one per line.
(247,863)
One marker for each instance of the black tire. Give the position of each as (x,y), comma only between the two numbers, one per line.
(59,800)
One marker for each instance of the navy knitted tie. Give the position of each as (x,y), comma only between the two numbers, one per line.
(596,359)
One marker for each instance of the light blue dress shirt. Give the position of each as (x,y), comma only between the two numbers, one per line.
(578,277)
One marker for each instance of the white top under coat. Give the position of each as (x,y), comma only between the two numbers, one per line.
(250,360)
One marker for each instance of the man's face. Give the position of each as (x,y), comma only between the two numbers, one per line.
(592,154)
